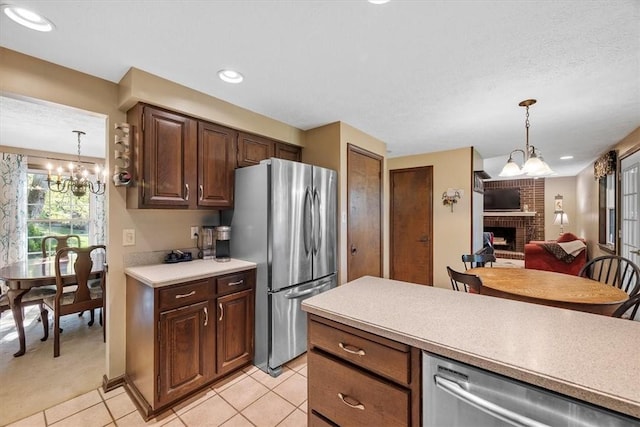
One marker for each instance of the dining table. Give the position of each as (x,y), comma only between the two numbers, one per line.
(550,288)
(24,275)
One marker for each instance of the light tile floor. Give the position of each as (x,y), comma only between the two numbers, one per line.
(247,398)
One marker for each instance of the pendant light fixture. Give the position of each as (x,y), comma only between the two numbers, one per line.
(534,165)
(77,182)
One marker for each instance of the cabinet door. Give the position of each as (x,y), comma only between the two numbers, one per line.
(169,159)
(252,149)
(216,163)
(186,351)
(288,152)
(235,330)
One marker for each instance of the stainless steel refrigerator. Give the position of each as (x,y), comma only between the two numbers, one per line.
(285,220)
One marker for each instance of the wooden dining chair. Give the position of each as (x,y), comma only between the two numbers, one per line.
(58,242)
(613,270)
(34,296)
(464,282)
(84,297)
(477,260)
(629,308)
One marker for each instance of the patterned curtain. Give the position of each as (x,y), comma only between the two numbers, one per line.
(13,208)
(97,220)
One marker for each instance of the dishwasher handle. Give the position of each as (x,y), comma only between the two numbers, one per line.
(484,405)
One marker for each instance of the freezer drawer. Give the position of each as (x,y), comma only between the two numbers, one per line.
(289,322)
(456,394)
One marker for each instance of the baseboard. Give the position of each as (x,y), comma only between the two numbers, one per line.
(110,384)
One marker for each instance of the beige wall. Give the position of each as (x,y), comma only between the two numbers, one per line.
(451,230)
(25,76)
(566,187)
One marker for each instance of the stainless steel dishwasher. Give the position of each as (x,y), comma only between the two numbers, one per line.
(457,394)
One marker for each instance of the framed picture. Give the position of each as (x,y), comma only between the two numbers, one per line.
(478,184)
(558,204)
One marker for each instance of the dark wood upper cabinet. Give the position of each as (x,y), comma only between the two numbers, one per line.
(165,154)
(185,163)
(288,152)
(252,149)
(216,163)
(180,162)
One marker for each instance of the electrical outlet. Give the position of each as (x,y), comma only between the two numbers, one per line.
(194,231)
(128,237)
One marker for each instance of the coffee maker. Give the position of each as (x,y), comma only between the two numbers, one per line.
(221,242)
(215,243)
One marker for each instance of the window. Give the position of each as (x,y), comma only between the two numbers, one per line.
(604,171)
(49,212)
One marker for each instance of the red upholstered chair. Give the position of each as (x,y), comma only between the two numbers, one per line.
(537,257)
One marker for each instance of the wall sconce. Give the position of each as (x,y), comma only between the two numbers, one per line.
(451,196)
(122,143)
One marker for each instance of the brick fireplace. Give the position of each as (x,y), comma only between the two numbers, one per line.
(513,229)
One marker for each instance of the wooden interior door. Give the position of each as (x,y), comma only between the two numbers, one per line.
(364,224)
(411,227)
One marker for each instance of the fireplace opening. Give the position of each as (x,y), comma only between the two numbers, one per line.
(504,238)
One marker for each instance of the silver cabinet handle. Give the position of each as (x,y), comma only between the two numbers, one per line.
(637,252)
(239,282)
(201,192)
(221,311)
(185,295)
(490,408)
(356,405)
(357,351)
(186,186)
(206,316)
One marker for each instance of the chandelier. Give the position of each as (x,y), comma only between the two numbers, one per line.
(77,181)
(534,165)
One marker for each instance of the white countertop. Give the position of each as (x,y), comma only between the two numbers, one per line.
(158,275)
(587,356)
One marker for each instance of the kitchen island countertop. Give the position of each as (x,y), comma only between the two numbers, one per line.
(158,275)
(586,356)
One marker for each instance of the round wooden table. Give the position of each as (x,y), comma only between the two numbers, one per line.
(549,288)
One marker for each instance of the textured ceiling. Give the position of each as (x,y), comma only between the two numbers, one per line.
(421,76)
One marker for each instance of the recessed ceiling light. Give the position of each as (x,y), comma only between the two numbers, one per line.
(28,18)
(378,1)
(566,157)
(230,76)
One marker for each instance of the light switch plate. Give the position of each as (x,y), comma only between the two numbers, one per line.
(128,237)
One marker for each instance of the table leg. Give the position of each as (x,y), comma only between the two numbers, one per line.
(15,302)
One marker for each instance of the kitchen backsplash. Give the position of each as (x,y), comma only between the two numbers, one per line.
(155,257)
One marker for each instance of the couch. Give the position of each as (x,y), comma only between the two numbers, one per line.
(539,255)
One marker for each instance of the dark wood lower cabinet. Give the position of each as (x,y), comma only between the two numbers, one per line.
(235,330)
(186,351)
(356,378)
(182,338)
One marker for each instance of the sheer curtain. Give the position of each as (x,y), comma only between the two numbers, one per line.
(97,219)
(13,208)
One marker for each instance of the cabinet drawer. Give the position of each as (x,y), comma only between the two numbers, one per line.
(233,283)
(189,293)
(349,396)
(316,420)
(392,363)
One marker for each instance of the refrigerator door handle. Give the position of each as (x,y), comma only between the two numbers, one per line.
(295,295)
(308,217)
(486,406)
(317,236)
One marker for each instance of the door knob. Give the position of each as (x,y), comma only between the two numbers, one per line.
(353,250)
